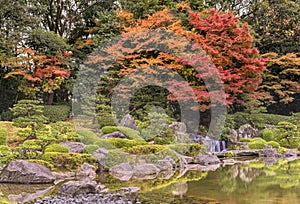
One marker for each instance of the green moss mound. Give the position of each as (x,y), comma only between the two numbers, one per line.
(57,148)
(130,133)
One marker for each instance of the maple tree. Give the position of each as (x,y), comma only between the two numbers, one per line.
(39,72)
(229,46)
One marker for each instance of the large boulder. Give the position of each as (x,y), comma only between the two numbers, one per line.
(73,188)
(247,131)
(123,171)
(145,171)
(128,121)
(164,165)
(74,147)
(233,136)
(86,171)
(20,171)
(114,135)
(269,151)
(207,159)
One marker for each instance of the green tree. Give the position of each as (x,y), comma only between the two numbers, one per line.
(29,115)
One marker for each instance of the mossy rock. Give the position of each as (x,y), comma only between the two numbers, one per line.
(130,133)
(116,156)
(187,149)
(43,163)
(87,136)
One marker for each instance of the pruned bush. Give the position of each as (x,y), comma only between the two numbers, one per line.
(257,143)
(273,144)
(3,136)
(89,149)
(67,161)
(104,143)
(245,140)
(187,149)
(42,162)
(57,148)
(87,136)
(269,134)
(125,143)
(146,149)
(116,156)
(130,133)
(57,113)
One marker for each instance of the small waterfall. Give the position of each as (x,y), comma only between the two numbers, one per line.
(223,145)
(217,146)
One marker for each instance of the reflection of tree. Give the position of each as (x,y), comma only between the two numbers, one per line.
(228,180)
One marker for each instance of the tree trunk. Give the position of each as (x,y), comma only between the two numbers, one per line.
(49,99)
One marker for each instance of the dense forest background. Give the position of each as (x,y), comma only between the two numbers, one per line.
(42,44)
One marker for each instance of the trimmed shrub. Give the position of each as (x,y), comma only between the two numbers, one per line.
(125,143)
(282,150)
(4,150)
(57,148)
(257,143)
(146,149)
(57,113)
(116,156)
(187,149)
(42,162)
(130,133)
(269,134)
(89,149)
(68,161)
(3,136)
(245,140)
(87,136)
(273,144)
(104,143)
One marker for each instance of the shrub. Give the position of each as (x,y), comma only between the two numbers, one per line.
(57,148)
(187,149)
(245,140)
(104,143)
(273,144)
(125,143)
(42,162)
(116,156)
(3,136)
(67,161)
(4,150)
(146,149)
(269,134)
(89,149)
(165,137)
(87,136)
(63,131)
(57,113)
(257,143)
(282,150)
(130,133)
(6,116)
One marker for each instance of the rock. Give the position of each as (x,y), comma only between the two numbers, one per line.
(74,147)
(73,188)
(20,171)
(206,159)
(247,131)
(167,174)
(63,175)
(179,129)
(122,171)
(269,161)
(289,153)
(269,151)
(132,189)
(145,171)
(233,136)
(164,165)
(171,160)
(100,153)
(114,135)
(86,171)
(228,161)
(128,121)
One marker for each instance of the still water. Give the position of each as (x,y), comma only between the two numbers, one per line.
(256,182)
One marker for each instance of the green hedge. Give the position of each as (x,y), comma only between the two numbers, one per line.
(3,136)
(57,113)
(130,133)
(257,143)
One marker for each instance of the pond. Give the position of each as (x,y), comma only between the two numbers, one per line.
(256,181)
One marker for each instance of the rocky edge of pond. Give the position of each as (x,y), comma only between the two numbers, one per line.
(81,187)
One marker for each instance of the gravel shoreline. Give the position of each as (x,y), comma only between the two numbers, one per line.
(107,198)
